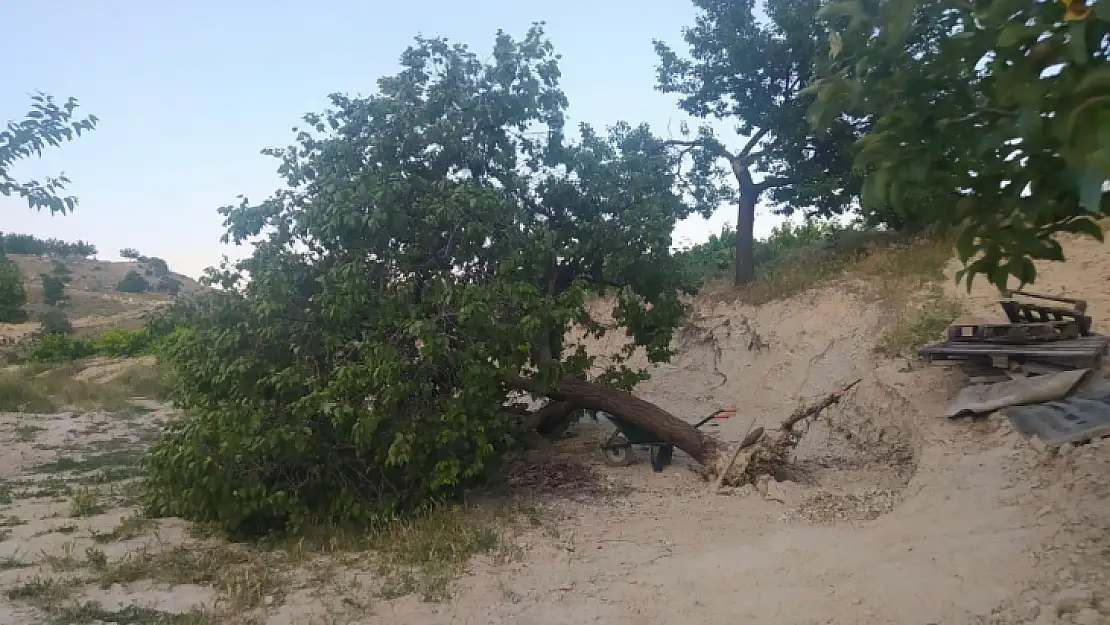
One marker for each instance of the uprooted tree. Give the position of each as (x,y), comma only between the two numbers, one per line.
(424,267)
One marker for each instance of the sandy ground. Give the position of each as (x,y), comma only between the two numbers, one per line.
(911,519)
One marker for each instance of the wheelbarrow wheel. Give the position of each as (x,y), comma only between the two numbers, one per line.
(619,454)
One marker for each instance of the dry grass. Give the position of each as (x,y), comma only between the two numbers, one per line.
(422,555)
(39,389)
(891,265)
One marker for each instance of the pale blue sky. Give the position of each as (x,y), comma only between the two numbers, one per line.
(188,93)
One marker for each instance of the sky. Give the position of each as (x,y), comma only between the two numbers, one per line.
(189,93)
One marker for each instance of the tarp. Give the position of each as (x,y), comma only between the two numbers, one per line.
(983,398)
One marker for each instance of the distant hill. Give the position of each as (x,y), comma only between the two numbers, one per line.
(94,303)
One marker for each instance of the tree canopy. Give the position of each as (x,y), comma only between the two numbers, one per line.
(988,117)
(433,247)
(754,72)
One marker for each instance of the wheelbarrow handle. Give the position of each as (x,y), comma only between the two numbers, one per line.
(723,413)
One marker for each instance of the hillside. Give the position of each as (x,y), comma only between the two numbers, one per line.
(889,513)
(94,303)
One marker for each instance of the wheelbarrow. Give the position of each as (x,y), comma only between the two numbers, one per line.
(617,449)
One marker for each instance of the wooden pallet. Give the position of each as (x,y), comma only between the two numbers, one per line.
(1083,352)
(1013,332)
(1025,312)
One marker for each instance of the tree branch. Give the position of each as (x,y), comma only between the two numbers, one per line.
(752,142)
(773,182)
(706,144)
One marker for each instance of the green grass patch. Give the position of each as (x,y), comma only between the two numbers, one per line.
(93,612)
(922,324)
(131,527)
(86,502)
(108,460)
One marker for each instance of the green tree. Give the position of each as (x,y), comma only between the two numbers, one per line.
(55,322)
(13,297)
(754,72)
(53,290)
(47,124)
(434,246)
(989,117)
(133,283)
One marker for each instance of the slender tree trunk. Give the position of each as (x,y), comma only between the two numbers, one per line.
(745,238)
(744,263)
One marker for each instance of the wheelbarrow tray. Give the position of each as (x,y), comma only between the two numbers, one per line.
(635,434)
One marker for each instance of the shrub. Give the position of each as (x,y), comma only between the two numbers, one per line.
(53,348)
(714,258)
(122,343)
(55,322)
(13,297)
(157,265)
(53,290)
(62,271)
(129,253)
(169,284)
(133,283)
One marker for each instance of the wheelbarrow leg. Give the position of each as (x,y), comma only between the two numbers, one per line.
(661,456)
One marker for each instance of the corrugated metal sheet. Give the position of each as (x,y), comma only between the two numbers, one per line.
(1068,420)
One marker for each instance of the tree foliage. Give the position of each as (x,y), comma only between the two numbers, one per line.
(133,283)
(53,290)
(13,297)
(754,72)
(988,116)
(433,246)
(46,124)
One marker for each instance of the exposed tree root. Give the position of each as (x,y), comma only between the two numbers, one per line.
(771,450)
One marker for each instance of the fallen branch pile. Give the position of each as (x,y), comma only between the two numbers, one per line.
(763,452)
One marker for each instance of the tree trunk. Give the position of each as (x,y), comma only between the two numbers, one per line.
(745,234)
(592,396)
(548,418)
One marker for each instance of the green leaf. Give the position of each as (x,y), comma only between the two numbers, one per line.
(1102,10)
(1014,34)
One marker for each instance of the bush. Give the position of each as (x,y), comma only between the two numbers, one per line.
(133,283)
(714,258)
(62,271)
(169,284)
(55,348)
(13,297)
(157,265)
(53,290)
(122,343)
(55,322)
(129,253)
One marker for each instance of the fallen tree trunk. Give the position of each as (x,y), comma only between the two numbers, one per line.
(593,396)
(760,451)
